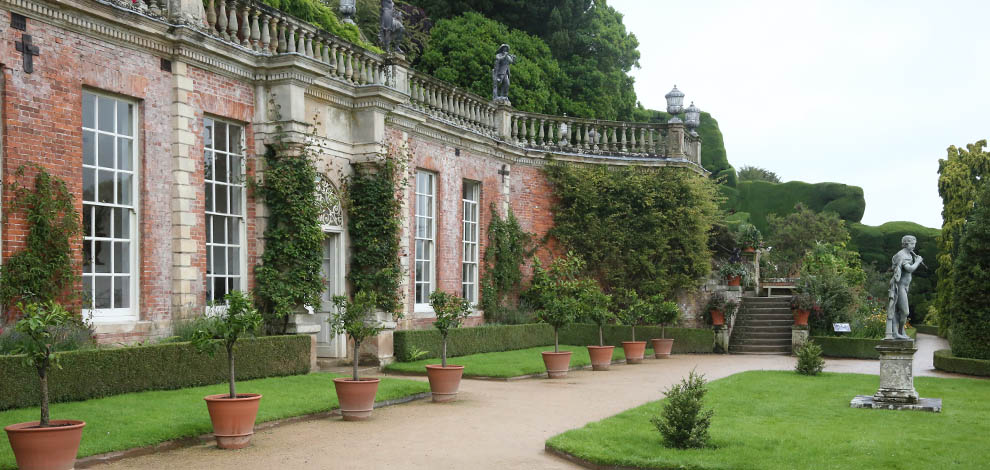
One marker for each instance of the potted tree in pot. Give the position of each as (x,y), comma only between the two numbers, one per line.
(356,395)
(719,309)
(633,312)
(232,414)
(450,311)
(47,443)
(558,312)
(749,237)
(802,304)
(733,272)
(596,309)
(662,312)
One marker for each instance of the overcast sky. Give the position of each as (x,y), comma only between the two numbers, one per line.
(867,93)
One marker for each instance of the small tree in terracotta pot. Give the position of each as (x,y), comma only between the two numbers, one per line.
(720,310)
(662,312)
(633,311)
(45,443)
(354,318)
(554,293)
(233,415)
(596,305)
(450,311)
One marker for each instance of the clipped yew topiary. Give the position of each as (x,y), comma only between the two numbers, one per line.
(970,304)
(682,423)
(810,360)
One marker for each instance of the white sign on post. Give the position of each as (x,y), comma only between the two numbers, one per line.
(841,328)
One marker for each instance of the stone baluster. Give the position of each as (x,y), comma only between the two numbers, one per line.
(244,31)
(290,38)
(369,67)
(211,15)
(255,30)
(632,139)
(360,70)
(301,38)
(309,45)
(232,22)
(332,53)
(648,140)
(348,67)
(222,20)
(541,138)
(584,136)
(322,49)
(266,33)
(282,45)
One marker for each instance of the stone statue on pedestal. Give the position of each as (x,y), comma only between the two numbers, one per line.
(500,74)
(904,263)
(391,29)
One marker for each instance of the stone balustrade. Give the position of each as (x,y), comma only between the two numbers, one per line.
(265,30)
(157,8)
(445,101)
(577,135)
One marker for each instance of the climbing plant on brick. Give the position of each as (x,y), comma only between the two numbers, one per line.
(508,247)
(637,228)
(45,267)
(288,276)
(373,199)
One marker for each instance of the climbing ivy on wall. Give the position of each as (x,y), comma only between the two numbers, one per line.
(373,200)
(637,228)
(508,247)
(289,276)
(45,267)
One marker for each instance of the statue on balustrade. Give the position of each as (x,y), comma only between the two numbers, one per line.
(391,31)
(500,74)
(904,263)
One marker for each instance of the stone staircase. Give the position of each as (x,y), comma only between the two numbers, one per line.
(763,326)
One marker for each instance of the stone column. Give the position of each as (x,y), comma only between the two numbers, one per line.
(675,140)
(187,279)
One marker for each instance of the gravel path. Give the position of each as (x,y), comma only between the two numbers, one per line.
(493,425)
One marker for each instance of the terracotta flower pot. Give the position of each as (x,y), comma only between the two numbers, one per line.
(444,381)
(52,448)
(557,363)
(233,418)
(357,397)
(749,249)
(601,357)
(634,351)
(718,318)
(661,347)
(735,280)
(801,317)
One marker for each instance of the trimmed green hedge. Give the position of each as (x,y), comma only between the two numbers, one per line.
(95,373)
(944,360)
(857,348)
(760,198)
(495,338)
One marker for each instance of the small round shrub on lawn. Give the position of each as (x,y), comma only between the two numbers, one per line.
(810,360)
(682,423)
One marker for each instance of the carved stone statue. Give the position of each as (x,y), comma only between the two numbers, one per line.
(904,263)
(500,74)
(391,30)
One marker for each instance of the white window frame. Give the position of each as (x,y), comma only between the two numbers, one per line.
(215,307)
(470,222)
(130,312)
(427,256)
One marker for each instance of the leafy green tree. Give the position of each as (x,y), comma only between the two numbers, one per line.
(322,15)
(639,229)
(960,176)
(40,324)
(682,423)
(970,306)
(562,293)
(450,310)
(755,173)
(461,51)
(354,318)
(793,235)
(236,319)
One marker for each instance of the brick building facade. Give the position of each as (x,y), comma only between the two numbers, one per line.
(154,113)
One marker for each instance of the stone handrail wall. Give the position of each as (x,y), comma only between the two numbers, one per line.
(448,102)
(579,135)
(265,30)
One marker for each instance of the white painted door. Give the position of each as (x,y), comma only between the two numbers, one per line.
(328,345)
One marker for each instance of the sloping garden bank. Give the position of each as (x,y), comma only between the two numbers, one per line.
(413,345)
(94,373)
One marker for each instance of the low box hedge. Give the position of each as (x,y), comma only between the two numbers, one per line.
(927,329)
(94,373)
(849,347)
(495,338)
(944,360)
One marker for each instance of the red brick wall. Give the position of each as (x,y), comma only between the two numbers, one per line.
(42,119)
(229,100)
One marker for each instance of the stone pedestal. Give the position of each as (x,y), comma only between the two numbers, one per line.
(896,390)
(799,336)
(722,339)
(299,325)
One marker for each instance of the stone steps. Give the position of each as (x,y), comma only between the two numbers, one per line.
(763,326)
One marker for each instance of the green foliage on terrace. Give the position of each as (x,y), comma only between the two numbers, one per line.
(760,198)
(461,51)
(639,229)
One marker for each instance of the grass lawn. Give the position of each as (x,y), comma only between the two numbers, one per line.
(145,418)
(782,420)
(506,363)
